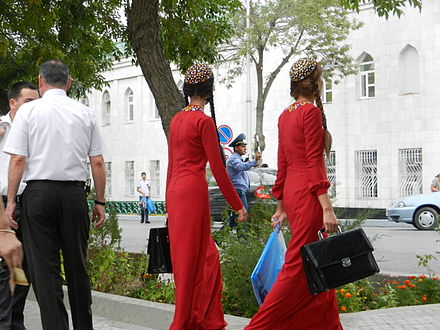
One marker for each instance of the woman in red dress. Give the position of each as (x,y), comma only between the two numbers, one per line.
(192,142)
(301,191)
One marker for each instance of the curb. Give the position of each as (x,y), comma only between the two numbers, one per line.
(138,312)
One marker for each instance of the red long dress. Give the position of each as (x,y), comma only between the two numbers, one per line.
(192,142)
(301,178)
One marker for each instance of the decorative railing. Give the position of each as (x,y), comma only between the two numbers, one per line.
(132,207)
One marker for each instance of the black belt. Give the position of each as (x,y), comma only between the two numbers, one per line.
(68,183)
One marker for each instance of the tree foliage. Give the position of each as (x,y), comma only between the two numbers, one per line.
(183,31)
(192,30)
(80,33)
(384,7)
(296,28)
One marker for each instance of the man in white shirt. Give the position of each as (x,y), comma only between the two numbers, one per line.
(50,141)
(144,189)
(11,307)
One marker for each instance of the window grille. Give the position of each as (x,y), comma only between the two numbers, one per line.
(330,163)
(129,178)
(108,178)
(155,177)
(410,171)
(106,108)
(368,77)
(130,105)
(366,174)
(327,92)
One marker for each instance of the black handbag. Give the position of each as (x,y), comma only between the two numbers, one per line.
(337,260)
(159,251)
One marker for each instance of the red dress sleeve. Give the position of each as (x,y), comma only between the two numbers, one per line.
(314,147)
(211,147)
(278,187)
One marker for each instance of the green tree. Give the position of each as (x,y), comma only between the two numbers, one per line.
(80,33)
(317,28)
(179,31)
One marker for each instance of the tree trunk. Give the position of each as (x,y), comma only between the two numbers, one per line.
(260,101)
(143,34)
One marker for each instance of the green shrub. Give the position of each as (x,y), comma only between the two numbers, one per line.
(240,250)
(113,270)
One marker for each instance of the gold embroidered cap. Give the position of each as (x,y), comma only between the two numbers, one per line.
(302,68)
(198,73)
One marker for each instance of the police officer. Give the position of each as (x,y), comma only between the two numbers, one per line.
(50,141)
(237,168)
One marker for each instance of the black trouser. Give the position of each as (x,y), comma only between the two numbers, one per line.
(11,307)
(144,211)
(55,217)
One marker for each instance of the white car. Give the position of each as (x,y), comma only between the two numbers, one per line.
(420,210)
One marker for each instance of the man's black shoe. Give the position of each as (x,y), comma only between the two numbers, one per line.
(147,221)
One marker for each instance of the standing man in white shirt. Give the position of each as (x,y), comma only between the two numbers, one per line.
(50,141)
(12,306)
(144,189)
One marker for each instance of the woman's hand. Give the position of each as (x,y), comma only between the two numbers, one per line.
(279,215)
(242,215)
(330,221)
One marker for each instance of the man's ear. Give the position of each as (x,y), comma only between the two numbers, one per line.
(69,83)
(12,103)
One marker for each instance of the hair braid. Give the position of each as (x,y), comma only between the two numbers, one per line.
(317,96)
(211,105)
(318,101)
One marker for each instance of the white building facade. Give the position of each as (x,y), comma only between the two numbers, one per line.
(384,120)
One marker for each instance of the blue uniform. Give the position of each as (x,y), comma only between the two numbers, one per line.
(236,169)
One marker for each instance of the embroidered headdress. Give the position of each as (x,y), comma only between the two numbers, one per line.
(198,73)
(302,68)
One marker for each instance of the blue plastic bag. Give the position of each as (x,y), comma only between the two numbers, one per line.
(150,205)
(269,265)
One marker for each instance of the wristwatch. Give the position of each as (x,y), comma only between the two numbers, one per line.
(99,203)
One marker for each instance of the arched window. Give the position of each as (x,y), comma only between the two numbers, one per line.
(85,100)
(129,104)
(106,108)
(367,76)
(409,70)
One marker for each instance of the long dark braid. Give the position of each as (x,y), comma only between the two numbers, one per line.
(211,106)
(327,136)
(318,101)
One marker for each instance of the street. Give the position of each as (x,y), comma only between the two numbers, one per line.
(395,245)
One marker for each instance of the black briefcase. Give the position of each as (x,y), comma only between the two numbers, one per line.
(337,260)
(159,251)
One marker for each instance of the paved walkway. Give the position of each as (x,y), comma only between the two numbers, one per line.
(33,321)
(413,317)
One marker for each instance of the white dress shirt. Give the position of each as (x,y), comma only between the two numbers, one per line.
(6,122)
(57,135)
